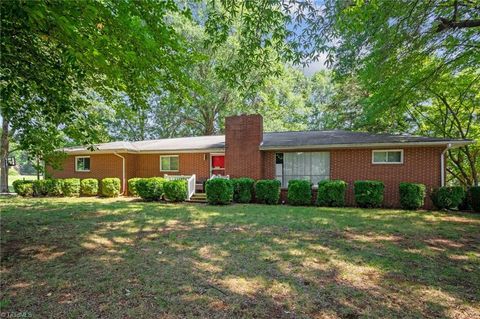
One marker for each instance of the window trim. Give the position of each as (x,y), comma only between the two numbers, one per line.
(388,163)
(169,156)
(76,164)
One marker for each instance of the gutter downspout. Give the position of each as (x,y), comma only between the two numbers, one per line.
(123,172)
(442,164)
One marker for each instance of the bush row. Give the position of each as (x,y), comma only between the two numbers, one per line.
(70,187)
(368,194)
(156,188)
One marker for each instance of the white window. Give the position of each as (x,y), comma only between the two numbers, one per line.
(310,166)
(169,163)
(387,157)
(82,163)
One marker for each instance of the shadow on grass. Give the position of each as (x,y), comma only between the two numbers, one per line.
(117,258)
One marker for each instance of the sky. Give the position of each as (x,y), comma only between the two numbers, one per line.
(315,66)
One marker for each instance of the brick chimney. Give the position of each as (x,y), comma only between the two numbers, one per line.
(243,135)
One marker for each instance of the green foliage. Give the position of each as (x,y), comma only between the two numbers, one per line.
(331,193)
(23,187)
(299,193)
(13,172)
(369,193)
(243,189)
(448,197)
(150,189)
(475,197)
(40,188)
(62,59)
(89,187)
(412,195)
(267,191)
(176,190)
(132,186)
(54,187)
(219,191)
(110,187)
(71,187)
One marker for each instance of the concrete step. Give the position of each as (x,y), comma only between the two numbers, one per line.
(198,198)
(204,201)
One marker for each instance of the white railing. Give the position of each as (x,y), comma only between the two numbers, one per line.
(220,176)
(191,182)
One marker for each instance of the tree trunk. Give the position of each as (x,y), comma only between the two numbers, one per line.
(4,147)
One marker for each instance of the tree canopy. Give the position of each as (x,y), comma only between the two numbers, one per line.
(87,72)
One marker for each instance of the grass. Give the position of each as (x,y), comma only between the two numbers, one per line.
(120,258)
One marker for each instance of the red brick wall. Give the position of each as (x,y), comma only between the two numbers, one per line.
(101,166)
(243,135)
(421,165)
(136,165)
(148,165)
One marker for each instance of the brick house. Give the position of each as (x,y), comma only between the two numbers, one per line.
(246,151)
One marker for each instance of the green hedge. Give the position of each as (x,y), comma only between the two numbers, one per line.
(23,187)
(71,187)
(475,198)
(89,187)
(331,193)
(176,190)
(299,192)
(412,195)
(40,188)
(151,188)
(369,193)
(243,189)
(267,191)
(110,187)
(219,191)
(54,187)
(448,197)
(132,186)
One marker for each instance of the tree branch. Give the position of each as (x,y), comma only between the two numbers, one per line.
(445,24)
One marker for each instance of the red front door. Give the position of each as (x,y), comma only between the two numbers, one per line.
(218,164)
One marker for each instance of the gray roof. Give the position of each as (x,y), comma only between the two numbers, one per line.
(197,143)
(272,140)
(345,138)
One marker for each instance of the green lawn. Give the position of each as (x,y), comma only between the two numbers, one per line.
(120,258)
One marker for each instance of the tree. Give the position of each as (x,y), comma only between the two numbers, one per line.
(53,53)
(450,109)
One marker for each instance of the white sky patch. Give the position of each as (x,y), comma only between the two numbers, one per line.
(315,66)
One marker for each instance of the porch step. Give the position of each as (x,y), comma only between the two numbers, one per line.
(198,198)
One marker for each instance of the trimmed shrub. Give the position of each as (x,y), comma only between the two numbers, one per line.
(448,197)
(89,187)
(54,187)
(267,191)
(40,188)
(23,188)
(132,186)
(331,193)
(243,189)
(412,195)
(150,188)
(369,193)
(475,198)
(299,192)
(466,203)
(71,187)
(219,191)
(110,187)
(176,190)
